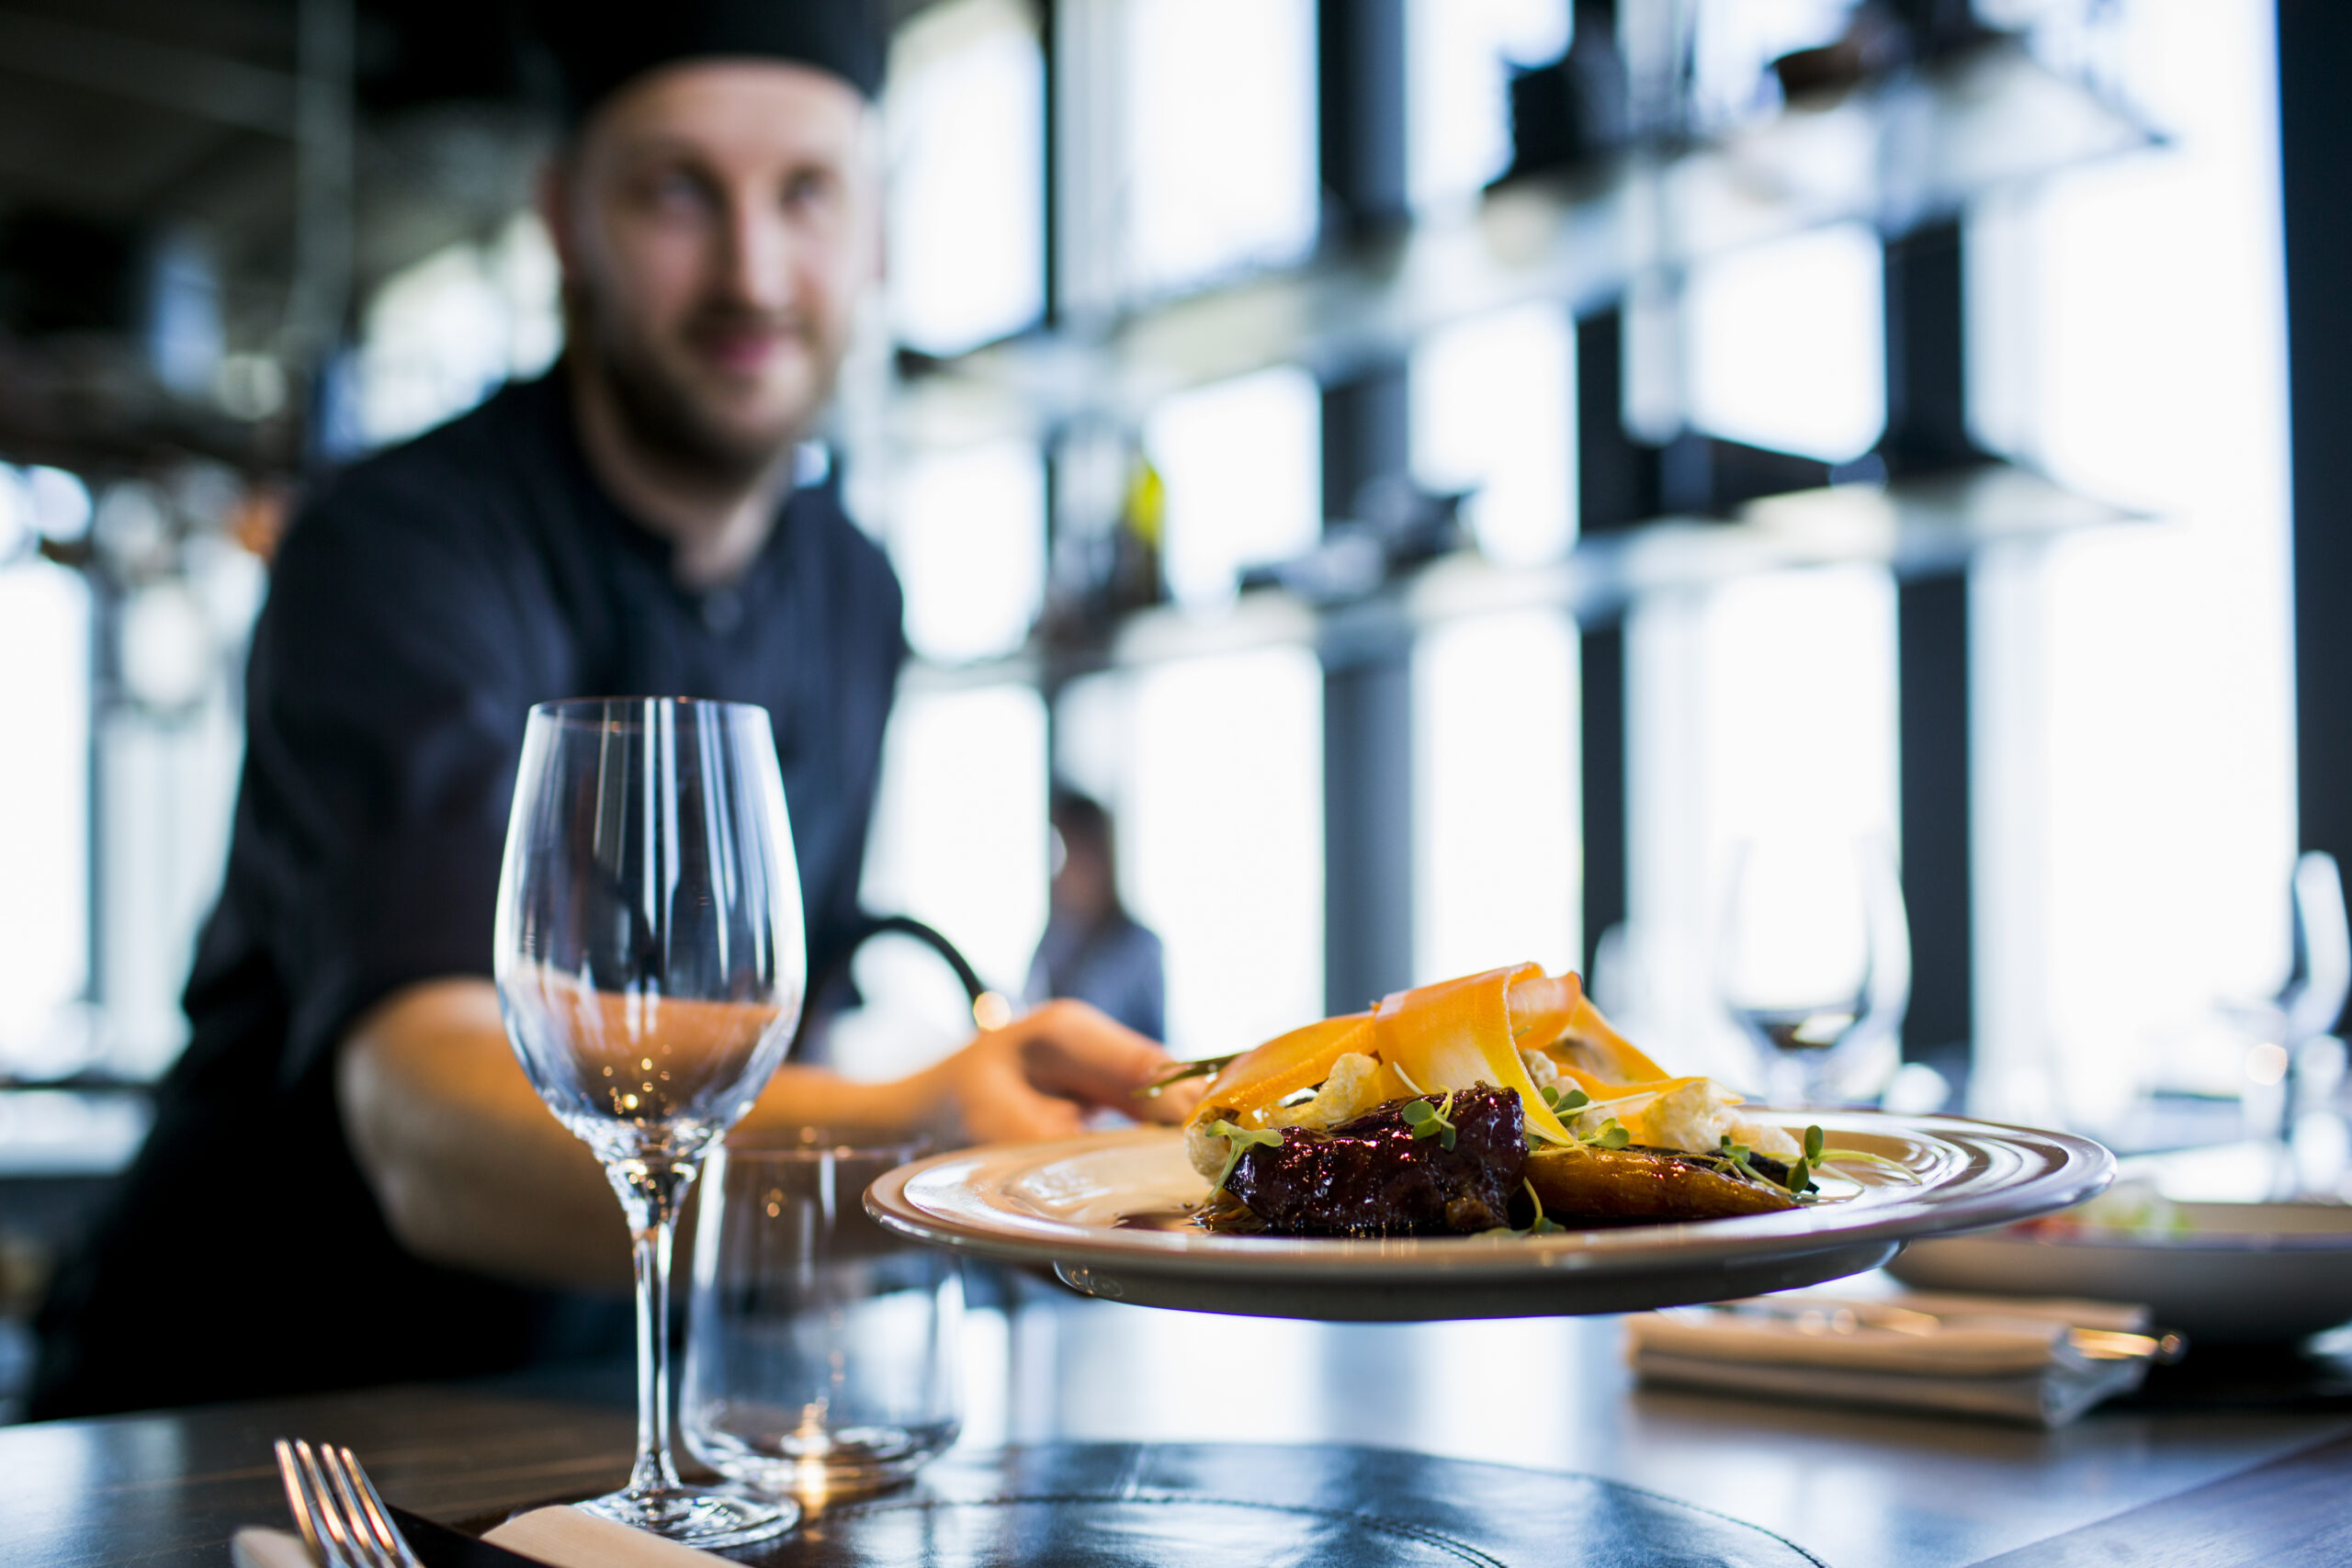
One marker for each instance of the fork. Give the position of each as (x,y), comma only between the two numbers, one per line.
(343,1519)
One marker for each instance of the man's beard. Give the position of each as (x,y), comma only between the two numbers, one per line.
(661,412)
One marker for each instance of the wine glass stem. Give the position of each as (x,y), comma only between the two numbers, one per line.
(650,1196)
(1794,1083)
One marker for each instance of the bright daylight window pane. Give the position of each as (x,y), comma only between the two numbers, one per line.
(1222,831)
(968,534)
(444,332)
(1801,705)
(1221,143)
(966,117)
(1458,90)
(1495,796)
(1492,413)
(1243,464)
(959,842)
(169,796)
(2149,768)
(1093,728)
(1787,344)
(44,804)
(1763,712)
(1735,42)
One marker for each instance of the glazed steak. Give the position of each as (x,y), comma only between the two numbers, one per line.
(1373,1177)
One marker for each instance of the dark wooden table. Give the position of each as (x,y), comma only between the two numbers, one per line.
(2212,1487)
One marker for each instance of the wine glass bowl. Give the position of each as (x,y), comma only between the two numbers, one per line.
(1813,958)
(628,1072)
(651,969)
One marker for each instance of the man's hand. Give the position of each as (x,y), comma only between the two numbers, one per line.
(1039,1075)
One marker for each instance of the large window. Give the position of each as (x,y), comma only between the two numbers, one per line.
(967,529)
(1497,868)
(1460,54)
(966,117)
(959,842)
(44,810)
(1223,807)
(1244,479)
(445,332)
(2137,688)
(1784,345)
(1220,98)
(1493,414)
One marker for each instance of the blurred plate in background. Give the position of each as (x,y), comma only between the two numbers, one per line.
(2218,1272)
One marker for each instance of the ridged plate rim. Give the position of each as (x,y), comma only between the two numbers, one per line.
(1971,1176)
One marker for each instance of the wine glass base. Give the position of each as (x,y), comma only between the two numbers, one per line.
(698,1516)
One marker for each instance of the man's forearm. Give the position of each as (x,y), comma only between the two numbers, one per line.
(814,1097)
(469,1167)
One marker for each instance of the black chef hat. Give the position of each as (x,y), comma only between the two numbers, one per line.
(599,47)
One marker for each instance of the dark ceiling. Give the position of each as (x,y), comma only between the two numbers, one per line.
(148,114)
(129,126)
(128,123)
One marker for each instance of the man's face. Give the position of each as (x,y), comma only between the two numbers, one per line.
(717,222)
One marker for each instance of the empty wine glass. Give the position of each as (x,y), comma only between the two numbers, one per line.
(650,967)
(2291,1067)
(1813,958)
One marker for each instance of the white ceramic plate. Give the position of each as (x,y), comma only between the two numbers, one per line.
(1062,1205)
(2238,1272)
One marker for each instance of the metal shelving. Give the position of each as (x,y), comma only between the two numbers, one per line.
(1916,528)
(1891,153)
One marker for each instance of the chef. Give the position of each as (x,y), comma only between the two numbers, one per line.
(349,1180)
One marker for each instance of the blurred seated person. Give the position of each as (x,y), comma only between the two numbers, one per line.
(349,1180)
(1093,951)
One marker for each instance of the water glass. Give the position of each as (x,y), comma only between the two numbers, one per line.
(820,1361)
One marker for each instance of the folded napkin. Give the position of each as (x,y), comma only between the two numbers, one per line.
(567,1538)
(269,1549)
(560,1537)
(2043,1361)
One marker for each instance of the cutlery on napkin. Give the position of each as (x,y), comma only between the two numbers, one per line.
(2042,1362)
(555,1537)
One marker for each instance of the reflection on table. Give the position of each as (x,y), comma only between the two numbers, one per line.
(165,1491)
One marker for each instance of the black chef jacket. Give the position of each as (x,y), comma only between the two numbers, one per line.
(417,610)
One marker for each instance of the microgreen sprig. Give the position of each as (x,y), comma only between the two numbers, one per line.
(1543,1224)
(1737,1154)
(1817,1154)
(1565,1102)
(1428,1121)
(1740,1157)
(1561,1102)
(1239,1140)
(1613,1134)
